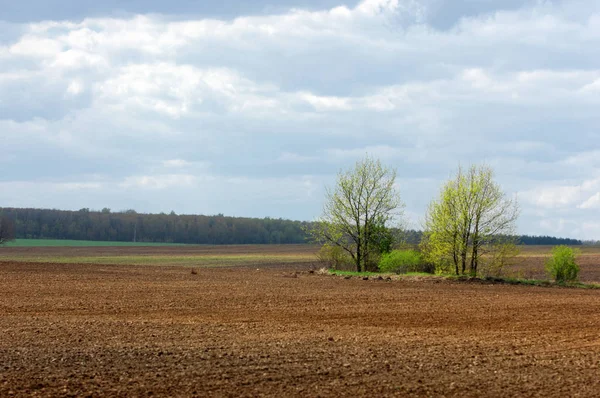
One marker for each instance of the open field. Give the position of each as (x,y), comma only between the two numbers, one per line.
(186,255)
(79,329)
(529,264)
(78,243)
(263,326)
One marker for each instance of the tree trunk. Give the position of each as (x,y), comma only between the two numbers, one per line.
(456,263)
(464,251)
(474,259)
(358,257)
(475,252)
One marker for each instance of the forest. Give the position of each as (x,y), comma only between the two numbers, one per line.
(129,225)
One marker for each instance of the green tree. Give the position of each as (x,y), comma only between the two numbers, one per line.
(471,218)
(562,266)
(363,203)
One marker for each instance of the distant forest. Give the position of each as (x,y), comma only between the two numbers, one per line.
(128,226)
(414,237)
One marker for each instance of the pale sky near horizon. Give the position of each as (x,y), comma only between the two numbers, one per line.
(251,108)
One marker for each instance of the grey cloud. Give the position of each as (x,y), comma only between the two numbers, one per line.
(262,112)
(40,10)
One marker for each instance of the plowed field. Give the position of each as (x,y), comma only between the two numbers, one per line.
(129,330)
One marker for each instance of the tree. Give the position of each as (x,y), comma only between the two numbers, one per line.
(358,210)
(7,230)
(471,218)
(562,266)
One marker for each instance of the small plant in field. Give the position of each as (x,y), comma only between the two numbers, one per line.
(562,266)
(402,261)
(334,257)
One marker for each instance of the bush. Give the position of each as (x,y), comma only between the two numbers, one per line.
(501,256)
(403,261)
(335,257)
(562,266)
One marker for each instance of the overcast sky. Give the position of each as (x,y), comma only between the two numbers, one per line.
(251,108)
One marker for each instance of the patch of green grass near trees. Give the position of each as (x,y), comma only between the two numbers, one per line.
(469,279)
(375,274)
(404,261)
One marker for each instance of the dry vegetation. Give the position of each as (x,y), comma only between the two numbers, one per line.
(262,328)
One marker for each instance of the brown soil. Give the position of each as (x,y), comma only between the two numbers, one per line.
(184,250)
(77,330)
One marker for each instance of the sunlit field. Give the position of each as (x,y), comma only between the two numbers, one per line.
(264,321)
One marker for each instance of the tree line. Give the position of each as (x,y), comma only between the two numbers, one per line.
(414,237)
(128,226)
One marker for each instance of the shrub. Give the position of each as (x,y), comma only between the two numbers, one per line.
(501,256)
(403,261)
(335,257)
(562,266)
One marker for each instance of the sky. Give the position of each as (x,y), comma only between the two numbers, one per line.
(252,108)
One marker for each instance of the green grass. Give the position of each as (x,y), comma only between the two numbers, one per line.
(80,243)
(363,274)
(464,278)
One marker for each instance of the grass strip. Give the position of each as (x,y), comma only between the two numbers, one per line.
(463,278)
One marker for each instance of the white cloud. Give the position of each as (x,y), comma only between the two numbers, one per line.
(38,47)
(159,181)
(176,163)
(277,104)
(591,203)
(324,103)
(75,87)
(562,195)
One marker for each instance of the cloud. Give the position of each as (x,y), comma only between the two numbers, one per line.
(176,163)
(268,107)
(592,202)
(159,181)
(557,196)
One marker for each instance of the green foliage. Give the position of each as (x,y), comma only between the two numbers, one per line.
(357,213)
(562,266)
(403,261)
(382,239)
(471,218)
(334,257)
